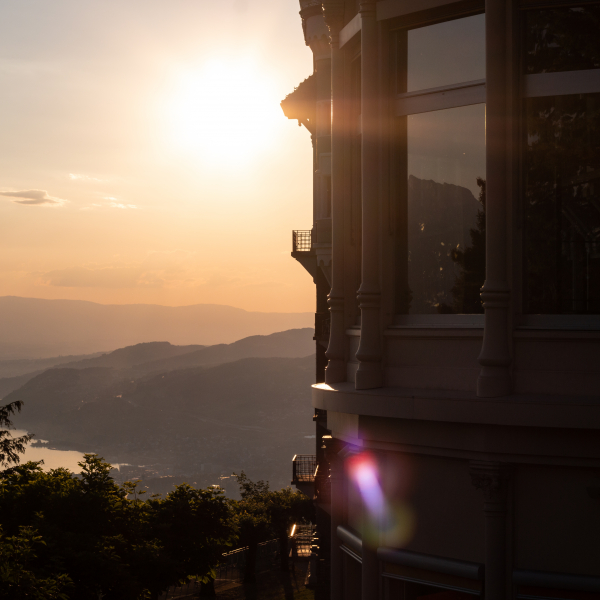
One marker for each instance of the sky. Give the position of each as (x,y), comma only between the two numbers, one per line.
(144,157)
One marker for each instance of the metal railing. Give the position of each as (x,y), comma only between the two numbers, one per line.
(231,568)
(302,541)
(304,467)
(301,240)
(233,563)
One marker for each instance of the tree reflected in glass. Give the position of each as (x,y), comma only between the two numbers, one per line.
(562,39)
(562,205)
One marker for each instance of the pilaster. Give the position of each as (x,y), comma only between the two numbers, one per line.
(369,354)
(493,479)
(333,11)
(494,378)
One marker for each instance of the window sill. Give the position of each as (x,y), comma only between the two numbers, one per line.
(438,321)
(560,322)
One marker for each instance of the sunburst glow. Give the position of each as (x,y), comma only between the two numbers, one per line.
(223,112)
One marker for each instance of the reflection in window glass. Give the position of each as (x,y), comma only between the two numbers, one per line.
(562,39)
(398,589)
(446,53)
(562,205)
(445,210)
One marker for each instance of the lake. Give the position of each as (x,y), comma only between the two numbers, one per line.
(53,459)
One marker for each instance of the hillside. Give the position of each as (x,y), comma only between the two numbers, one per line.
(293,343)
(31,327)
(16,367)
(252,414)
(131,356)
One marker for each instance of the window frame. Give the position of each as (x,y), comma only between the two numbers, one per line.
(540,85)
(456,95)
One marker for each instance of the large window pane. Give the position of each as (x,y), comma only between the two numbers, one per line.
(562,205)
(446,53)
(445,165)
(562,39)
(397,589)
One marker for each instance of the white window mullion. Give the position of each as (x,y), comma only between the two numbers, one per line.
(563,83)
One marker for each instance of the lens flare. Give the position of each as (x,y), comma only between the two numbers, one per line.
(388,521)
(364,472)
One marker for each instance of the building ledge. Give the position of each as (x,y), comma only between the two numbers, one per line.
(519,410)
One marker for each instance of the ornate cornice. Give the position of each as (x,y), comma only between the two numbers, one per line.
(310,8)
(333,12)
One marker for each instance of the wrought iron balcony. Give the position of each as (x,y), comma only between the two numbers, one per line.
(303,468)
(301,240)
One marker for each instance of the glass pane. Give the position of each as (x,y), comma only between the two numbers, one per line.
(446,53)
(419,591)
(562,39)
(562,205)
(445,210)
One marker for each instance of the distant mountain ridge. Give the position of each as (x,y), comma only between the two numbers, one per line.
(24,366)
(130,356)
(294,343)
(152,357)
(35,328)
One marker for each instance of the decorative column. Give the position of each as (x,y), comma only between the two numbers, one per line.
(369,373)
(494,377)
(333,11)
(336,470)
(493,478)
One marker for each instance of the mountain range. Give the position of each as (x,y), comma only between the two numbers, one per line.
(39,328)
(182,410)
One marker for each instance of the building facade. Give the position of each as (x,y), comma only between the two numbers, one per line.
(456,254)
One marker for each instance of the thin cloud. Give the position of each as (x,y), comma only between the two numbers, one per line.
(34,198)
(115,204)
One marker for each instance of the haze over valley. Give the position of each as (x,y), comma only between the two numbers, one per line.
(37,328)
(173,413)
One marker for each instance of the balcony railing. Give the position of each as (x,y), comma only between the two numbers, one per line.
(304,467)
(301,240)
(302,540)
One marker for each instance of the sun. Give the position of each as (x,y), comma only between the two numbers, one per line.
(223,111)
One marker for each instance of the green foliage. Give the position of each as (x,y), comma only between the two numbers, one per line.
(263,514)
(103,538)
(17,579)
(10,447)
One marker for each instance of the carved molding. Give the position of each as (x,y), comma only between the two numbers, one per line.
(367,6)
(492,478)
(333,12)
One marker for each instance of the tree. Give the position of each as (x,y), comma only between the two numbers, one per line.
(10,447)
(466,291)
(105,538)
(252,520)
(17,579)
(285,508)
(195,527)
(263,514)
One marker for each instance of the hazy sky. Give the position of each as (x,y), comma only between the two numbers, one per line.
(144,156)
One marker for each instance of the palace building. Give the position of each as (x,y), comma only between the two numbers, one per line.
(455,248)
